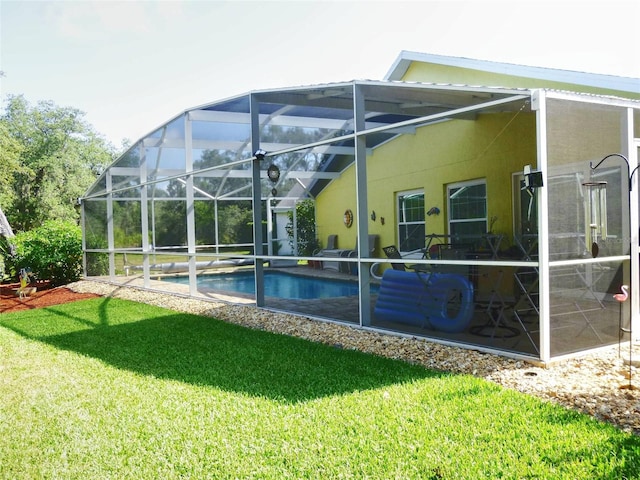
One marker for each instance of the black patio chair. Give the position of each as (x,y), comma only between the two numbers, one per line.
(392,253)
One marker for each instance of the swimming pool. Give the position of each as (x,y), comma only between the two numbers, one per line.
(277,284)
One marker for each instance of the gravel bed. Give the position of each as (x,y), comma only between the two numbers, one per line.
(596,384)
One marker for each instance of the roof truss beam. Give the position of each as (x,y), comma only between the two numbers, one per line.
(170,174)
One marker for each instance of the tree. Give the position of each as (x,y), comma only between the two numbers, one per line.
(10,151)
(52,156)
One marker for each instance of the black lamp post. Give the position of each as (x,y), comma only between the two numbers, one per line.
(630,174)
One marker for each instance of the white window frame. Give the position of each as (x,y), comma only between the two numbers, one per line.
(399,216)
(458,185)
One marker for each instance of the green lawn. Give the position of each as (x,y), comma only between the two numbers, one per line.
(107,388)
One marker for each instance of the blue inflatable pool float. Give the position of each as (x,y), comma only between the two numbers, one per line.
(423,299)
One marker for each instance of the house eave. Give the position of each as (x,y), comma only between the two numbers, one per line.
(611,82)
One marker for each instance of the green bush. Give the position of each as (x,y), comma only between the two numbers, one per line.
(306,226)
(52,251)
(97,263)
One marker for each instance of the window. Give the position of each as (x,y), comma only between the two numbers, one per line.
(468,208)
(410,220)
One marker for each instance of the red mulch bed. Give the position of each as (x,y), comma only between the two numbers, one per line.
(43,297)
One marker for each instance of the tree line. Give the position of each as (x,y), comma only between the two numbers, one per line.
(49,156)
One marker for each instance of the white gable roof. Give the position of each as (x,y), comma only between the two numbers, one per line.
(612,82)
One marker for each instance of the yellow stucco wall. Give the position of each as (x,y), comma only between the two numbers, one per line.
(433,73)
(491,147)
(438,155)
(331,205)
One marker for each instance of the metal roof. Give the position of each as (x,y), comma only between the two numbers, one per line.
(609,82)
(309,132)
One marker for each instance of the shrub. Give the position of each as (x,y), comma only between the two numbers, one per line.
(52,251)
(306,226)
(97,263)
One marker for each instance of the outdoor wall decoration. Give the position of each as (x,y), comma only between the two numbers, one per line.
(348,218)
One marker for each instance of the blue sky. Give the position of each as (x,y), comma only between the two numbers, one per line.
(132,65)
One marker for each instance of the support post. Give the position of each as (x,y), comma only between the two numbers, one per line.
(257,199)
(362,208)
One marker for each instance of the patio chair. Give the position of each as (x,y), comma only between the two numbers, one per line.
(332,244)
(448,251)
(372,247)
(331,247)
(373,244)
(392,252)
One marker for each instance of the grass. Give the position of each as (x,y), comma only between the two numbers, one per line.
(107,388)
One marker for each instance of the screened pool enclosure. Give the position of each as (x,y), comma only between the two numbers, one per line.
(506,240)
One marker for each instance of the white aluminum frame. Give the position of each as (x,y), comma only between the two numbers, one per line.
(362,128)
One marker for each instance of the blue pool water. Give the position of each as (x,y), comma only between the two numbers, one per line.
(277,284)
